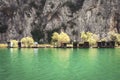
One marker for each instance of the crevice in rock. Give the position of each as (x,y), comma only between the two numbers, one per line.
(75,6)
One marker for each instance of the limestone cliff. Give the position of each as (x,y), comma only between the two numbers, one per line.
(40,18)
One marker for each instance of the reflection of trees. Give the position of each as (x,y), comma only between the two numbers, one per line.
(93,54)
(61,57)
(5,64)
(117,52)
(13,53)
(27,53)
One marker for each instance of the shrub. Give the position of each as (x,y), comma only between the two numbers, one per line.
(27,41)
(14,43)
(112,35)
(58,39)
(118,38)
(55,37)
(63,38)
(84,36)
(89,37)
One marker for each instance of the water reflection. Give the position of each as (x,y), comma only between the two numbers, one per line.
(117,52)
(36,51)
(27,54)
(13,53)
(61,57)
(92,54)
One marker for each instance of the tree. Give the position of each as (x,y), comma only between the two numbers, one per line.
(27,41)
(84,36)
(55,37)
(118,37)
(63,38)
(112,36)
(89,37)
(14,43)
(60,38)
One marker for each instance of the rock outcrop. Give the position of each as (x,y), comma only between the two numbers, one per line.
(40,18)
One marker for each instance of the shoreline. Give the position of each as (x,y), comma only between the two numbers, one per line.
(52,46)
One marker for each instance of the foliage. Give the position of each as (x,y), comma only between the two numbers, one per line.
(118,38)
(84,36)
(114,36)
(89,37)
(63,38)
(14,43)
(55,37)
(60,38)
(27,41)
(103,39)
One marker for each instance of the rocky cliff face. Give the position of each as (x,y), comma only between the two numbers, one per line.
(40,18)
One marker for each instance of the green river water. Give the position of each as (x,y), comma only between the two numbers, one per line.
(59,64)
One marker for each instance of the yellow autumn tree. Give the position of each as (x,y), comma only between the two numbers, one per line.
(84,36)
(63,38)
(112,35)
(93,39)
(58,39)
(55,37)
(14,43)
(89,37)
(27,41)
(118,38)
